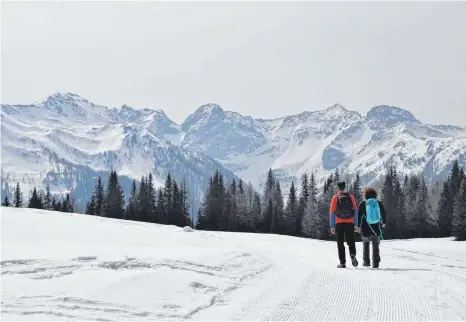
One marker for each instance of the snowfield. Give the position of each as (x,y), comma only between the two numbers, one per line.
(76,267)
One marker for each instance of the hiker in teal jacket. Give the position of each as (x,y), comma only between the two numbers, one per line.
(372,218)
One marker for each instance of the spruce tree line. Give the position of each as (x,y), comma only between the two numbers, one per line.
(166,205)
(40,200)
(414,210)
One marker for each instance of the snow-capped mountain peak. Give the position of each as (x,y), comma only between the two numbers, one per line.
(391,115)
(205,115)
(336,109)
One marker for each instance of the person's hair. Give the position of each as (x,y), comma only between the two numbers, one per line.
(341,185)
(370,193)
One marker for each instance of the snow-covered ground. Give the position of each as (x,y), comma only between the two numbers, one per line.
(69,266)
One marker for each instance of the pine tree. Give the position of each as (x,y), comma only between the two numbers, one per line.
(447,200)
(67,205)
(291,212)
(143,202)
(278,210)
(99,198)
(455,179)
(6,202)
(400,210)
(59,206)
(240,187)
(303,199)
(212,211)
(356,189)
(269,189)
(180,219)
(444,214)
(426,221)
(257,213)
(34,200)
(132,207)
(47,198)
(54,204)
(412,220)
(389,200)
(459,214)
(152,203)
(321,225)
(245,199)
(41,195)
(90,207)
(114,198)
(311,221)
(18,197)
(268,217)
(161,211)
(185,204)
(233,215)
(225,217)
(435,193)
(168,198)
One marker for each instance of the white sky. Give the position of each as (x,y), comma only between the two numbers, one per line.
(264,59)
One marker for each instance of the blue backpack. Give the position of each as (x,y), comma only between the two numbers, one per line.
(372,211)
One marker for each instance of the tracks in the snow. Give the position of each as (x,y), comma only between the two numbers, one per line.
(409,289)
(74,308)
(208,286)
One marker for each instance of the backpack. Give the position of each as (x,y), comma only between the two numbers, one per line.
(344,206)
(372,211)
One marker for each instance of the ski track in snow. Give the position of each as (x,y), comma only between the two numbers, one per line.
(75,267)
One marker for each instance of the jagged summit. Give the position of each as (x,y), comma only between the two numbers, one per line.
(336,108)
(60,97)
(207,113)
(391,115)
(210,107)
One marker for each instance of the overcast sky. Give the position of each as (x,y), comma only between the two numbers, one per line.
(264,59)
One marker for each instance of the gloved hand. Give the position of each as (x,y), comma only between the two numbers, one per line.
(332,231)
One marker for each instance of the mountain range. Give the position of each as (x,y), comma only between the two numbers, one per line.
(68,141)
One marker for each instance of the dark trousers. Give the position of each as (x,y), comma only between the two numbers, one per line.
(345,231)
(375,240)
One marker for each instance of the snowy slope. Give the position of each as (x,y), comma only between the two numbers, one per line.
(58,266)
(65,135)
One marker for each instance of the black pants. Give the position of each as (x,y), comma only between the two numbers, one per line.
(345,231)
(375,240)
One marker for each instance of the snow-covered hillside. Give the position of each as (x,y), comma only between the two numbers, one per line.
(68,141)
(58,266)
(68,134)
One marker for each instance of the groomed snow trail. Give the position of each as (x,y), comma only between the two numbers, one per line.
(75,267)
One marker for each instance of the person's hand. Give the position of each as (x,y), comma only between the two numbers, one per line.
(356,229)
(332,230)
(383,225)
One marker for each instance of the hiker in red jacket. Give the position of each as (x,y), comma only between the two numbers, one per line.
(344,221)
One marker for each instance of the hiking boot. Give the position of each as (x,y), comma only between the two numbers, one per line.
(366,264)
(354,261)
(341,266)
(375,265)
